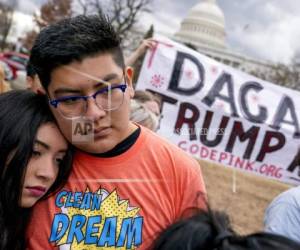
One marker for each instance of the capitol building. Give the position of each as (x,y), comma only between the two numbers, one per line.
(203,29)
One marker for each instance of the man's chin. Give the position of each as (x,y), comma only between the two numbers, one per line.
(94,148)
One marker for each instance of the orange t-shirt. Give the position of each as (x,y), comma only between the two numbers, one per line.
(122,202)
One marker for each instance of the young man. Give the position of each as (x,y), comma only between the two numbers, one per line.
(127,183)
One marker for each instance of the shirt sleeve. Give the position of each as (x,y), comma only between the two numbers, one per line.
(38,230)
(283,218)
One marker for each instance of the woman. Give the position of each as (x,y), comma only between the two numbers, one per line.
(145,109)
(142,115)
(35,160)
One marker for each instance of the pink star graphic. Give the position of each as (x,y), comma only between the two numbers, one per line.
(220,105)
(254,98)
(189,74)
(157,80)
(214,69)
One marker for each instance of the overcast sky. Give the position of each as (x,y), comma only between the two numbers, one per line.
(265,29)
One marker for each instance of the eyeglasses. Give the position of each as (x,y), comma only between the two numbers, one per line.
(109,98)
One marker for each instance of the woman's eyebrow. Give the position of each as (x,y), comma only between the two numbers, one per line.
(43,144)
(46,146)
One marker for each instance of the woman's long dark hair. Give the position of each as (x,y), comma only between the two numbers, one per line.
(21,114)
(211,230)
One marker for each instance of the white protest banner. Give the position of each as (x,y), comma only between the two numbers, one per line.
(220,114)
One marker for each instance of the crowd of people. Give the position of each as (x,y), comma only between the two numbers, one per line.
(4,86)
(59,187)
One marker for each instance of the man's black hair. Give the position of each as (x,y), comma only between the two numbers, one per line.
(30,70)
(73,39)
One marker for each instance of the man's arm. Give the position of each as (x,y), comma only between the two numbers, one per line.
(145,44)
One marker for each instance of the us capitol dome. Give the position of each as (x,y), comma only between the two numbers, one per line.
(204,25)
(204,30)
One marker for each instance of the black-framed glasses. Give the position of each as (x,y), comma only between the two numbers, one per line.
(108,98)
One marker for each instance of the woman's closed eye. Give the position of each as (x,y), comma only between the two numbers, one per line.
(36,153)
(58,161)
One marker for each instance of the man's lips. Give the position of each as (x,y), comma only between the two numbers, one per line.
(103,131)
(37,191)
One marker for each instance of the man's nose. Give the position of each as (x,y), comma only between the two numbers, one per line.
(94,111)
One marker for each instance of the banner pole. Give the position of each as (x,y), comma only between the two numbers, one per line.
(234,181)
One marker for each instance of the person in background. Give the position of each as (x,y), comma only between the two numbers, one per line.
(211,230)
(145,109)
(35,160)
(150,101)
(32,80)
(142,115)
(283,214)
(135,55)
(4,86)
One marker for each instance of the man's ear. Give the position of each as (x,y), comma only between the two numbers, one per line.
(29,82)
(129,73)
(41,91)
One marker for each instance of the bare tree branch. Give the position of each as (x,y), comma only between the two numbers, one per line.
(123,13)
(51,12)
(284,75)
(84,6)
(6,19)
